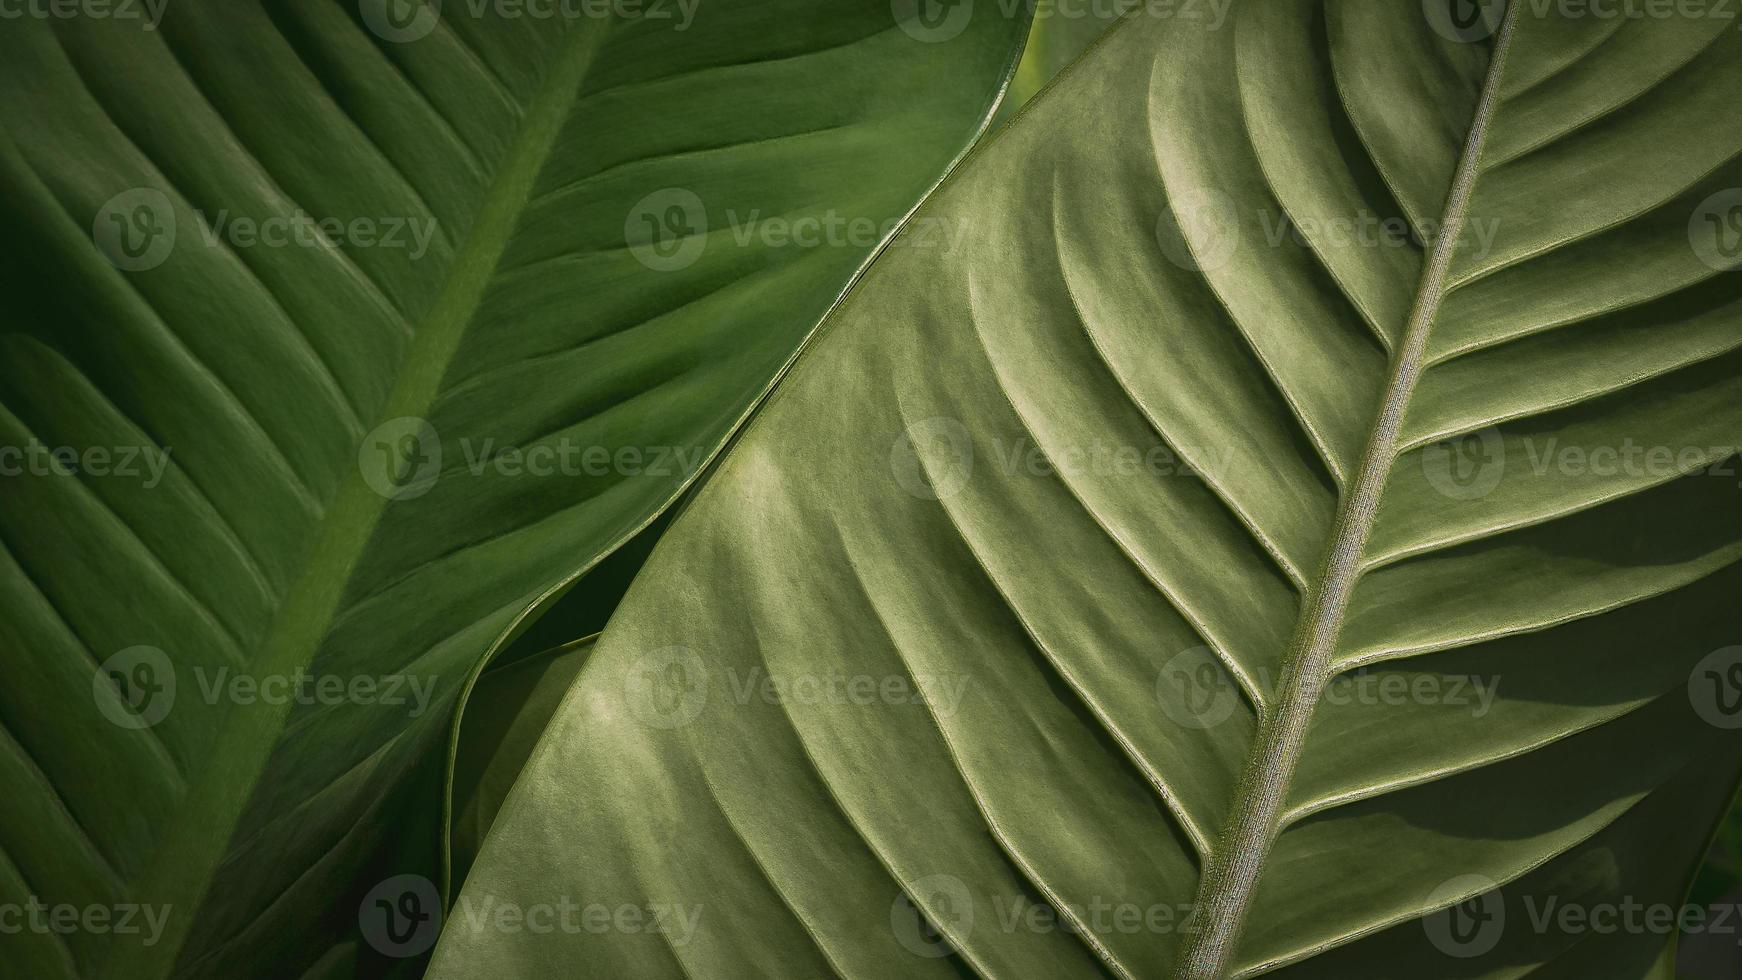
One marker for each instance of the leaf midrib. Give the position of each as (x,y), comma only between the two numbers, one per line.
(184,863)
(1231,876)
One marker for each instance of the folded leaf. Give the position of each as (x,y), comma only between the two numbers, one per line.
(366,328)
(505,714)
(1298,534)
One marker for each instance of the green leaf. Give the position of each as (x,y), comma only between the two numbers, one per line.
(506,711)
(417,312)
(1338,604)
(1062,31)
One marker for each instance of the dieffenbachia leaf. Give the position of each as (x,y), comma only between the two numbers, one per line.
(1299,534)
(341,336)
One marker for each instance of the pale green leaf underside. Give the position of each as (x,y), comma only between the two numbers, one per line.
(883,517)
(505,714)
(526,320)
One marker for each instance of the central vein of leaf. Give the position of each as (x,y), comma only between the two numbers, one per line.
(1231,874)
(188,857)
